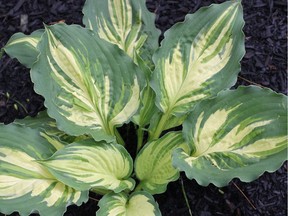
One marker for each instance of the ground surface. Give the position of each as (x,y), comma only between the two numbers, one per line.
(265,64)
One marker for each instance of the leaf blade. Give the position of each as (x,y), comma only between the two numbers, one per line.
(48,129)
(153,164)
(189,65)
(138,203)
(240,137)
(24,47)
(86,164)
(25,185)
(127,24)
(92,85)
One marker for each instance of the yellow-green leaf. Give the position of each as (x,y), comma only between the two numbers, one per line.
(88,164)
(153,165)
(25,185)
(195,56)
(138,203)
(129,25)
(48,129)
(24,47)
(126,23)
(89,85)
(241,133)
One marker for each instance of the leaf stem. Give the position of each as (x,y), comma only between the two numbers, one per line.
(138,187)
(119,138)
(140,135)
(114,132)
(160,126)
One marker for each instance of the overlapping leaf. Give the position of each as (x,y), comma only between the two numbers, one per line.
(126,23)
(88,164)
(240,133)
(89,85)
(24,47)
(48,129)
(195,56)
(153,165)
(138,203)
(25,185)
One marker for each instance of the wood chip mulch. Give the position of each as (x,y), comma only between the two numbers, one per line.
(264,64)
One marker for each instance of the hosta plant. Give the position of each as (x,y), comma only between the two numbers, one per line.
(98,79)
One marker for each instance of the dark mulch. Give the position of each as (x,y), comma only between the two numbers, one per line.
(264,64)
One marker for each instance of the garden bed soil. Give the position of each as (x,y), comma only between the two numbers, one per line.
(264,64)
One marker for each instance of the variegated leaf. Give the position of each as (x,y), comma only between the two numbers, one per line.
(47,129)
(240,133)
(89,85)
(126,23)
(25,185)
(88,164)
(153,165)
(195,56)
(138,203)
(24,47)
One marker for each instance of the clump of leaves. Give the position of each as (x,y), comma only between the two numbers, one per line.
(112,72)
